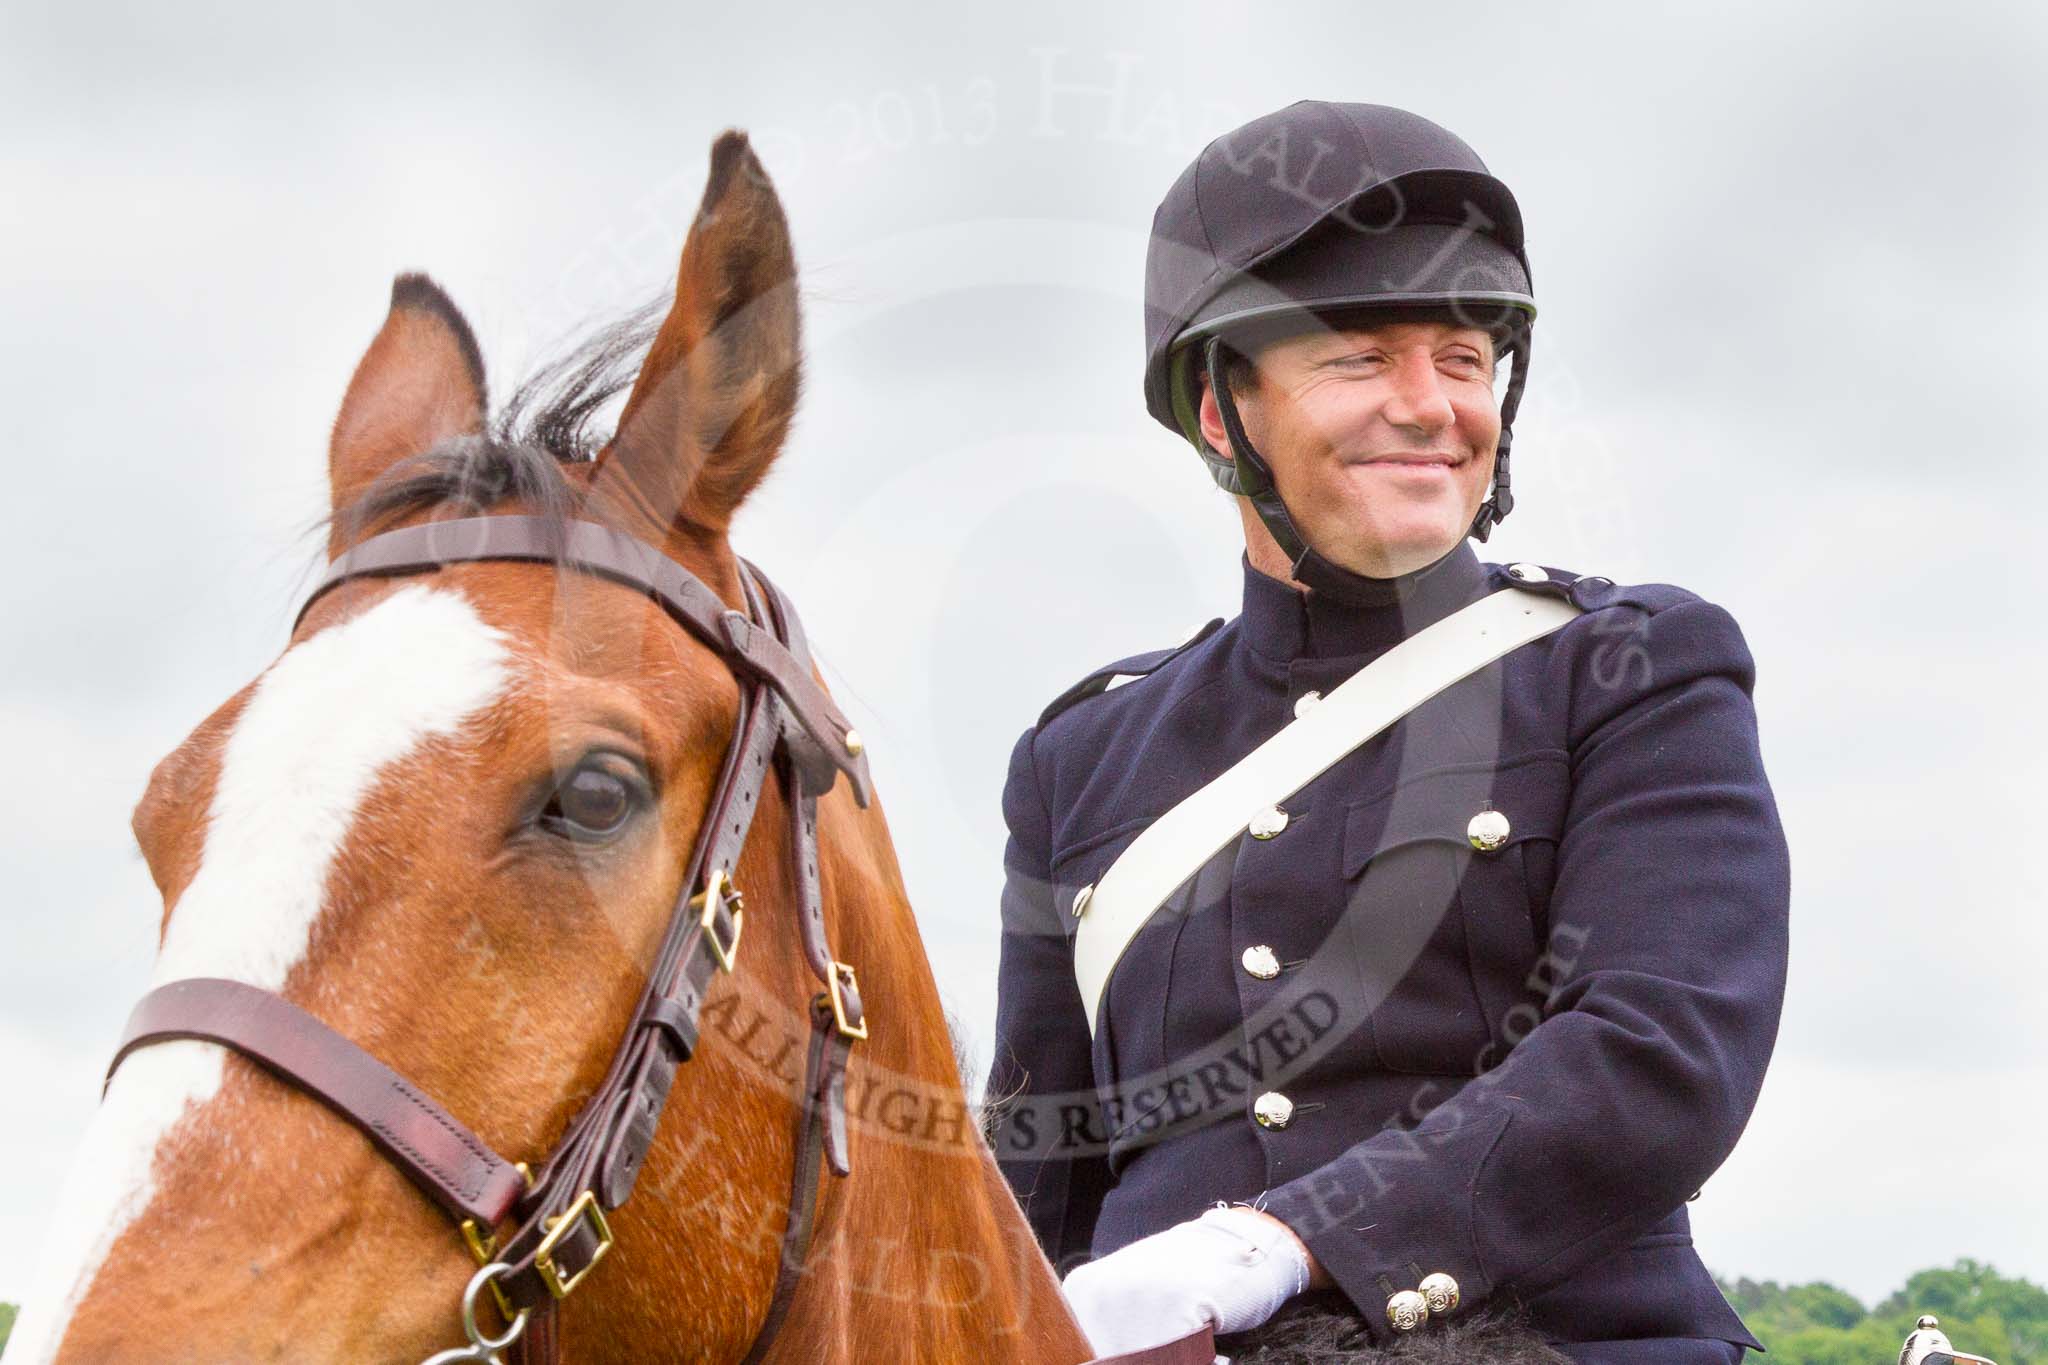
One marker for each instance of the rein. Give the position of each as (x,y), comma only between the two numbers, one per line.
(558,1231)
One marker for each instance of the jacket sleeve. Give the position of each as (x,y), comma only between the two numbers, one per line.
(1665,974)
(1046,1117)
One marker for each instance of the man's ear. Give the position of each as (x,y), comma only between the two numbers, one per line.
(420,383)
(714,399)
(1212,418)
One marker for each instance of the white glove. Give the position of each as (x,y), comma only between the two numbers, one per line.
(1231,1269)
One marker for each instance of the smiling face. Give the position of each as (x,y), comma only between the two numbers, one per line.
(1381,441)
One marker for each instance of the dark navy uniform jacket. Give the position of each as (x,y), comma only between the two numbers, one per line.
(1512,1066)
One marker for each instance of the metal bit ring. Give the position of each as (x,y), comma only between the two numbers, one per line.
(482,1350)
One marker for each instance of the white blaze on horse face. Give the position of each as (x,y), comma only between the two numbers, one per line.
(326,719)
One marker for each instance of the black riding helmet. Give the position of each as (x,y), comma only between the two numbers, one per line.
(1337,214)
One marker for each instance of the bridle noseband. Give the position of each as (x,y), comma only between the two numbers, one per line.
(558,1230)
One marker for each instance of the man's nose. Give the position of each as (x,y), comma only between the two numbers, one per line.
(1418,399)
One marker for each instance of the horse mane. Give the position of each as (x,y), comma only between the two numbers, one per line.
(1321,1328)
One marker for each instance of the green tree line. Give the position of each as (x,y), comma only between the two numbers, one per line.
(1817,1324)
(1982,1312)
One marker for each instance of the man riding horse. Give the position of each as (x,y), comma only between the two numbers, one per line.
(1452,1018)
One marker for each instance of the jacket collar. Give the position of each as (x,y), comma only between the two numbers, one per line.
(1282,621)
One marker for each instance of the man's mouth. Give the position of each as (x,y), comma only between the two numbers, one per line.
(1415,461)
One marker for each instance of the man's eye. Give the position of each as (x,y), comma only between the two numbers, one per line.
(591,805)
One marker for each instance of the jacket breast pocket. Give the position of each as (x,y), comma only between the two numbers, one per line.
(1446,886)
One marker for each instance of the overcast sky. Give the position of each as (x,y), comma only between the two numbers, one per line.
(1787,258)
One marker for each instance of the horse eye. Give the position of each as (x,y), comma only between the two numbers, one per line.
(591,804)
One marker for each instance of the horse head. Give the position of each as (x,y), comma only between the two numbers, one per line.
(454,823)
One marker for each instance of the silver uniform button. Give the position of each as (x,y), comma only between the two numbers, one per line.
(1273,1109)
(1268,822)
(1304,702)
(1528,573)
(1488,830)
(1261,962)
(1440,1292)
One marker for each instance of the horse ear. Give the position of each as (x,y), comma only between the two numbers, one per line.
(420,383)
(714,398)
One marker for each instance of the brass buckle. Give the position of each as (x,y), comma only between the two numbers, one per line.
(559,1227)
(718,888)
(483,1245)
(846,1029)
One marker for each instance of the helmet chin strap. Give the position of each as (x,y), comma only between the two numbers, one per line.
(1254,479)
(1501,500)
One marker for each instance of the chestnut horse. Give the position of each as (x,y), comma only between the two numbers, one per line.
(450,821)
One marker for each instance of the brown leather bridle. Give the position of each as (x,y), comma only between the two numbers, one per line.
(559,1231)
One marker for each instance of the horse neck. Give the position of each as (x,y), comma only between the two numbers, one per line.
(923,1244)
(933,1252)
(922,1252)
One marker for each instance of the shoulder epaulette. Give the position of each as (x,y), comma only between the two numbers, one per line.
(1137,666)
(1590,592)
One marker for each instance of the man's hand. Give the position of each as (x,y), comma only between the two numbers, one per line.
(1230,1269)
